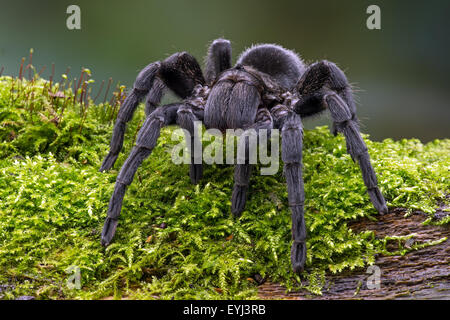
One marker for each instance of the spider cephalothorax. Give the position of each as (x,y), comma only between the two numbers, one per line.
(268,88)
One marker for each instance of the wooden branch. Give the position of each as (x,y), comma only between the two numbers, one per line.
(420,274)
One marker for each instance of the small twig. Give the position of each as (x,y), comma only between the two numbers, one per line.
(80,100)
(12,90)
(81,78)
(52,75)
(50,87)
(62,79)
(114,100)
(21,68)
(107,89)
(98,94)
(66,100)
(42,70)
(86,106)
(32,107)
(86,98)
(74,85)
(30,64)
(114,96)
(78,85)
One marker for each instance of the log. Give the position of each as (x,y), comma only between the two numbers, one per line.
(419,274)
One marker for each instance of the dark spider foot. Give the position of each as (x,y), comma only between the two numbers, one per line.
(108,162)
(298,256)
(238,200)
(334,130)
(196,173)
(378,200)
(109,229)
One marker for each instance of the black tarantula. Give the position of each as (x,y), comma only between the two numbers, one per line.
(268,88)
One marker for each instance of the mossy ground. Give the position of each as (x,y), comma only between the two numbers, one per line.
(53,202)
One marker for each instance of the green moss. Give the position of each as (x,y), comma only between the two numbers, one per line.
(53,202)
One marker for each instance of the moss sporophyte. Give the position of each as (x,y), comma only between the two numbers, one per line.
(53,203)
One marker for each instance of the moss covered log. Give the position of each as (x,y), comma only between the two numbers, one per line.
(176,240)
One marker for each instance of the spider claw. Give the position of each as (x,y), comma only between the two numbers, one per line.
(196,173)
(298,256)
(238,200)
(378,200)
(334,130)
(108,162)
(109,229)
(383,210)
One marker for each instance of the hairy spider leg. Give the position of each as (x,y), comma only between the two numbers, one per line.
(356,147)
(242,172)
(291,154)
(143,83)
(180,73)
(218,59)
(154,96)
(146,141)
(318,78)
(187,116)
(324,86)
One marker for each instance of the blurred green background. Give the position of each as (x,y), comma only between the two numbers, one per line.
(401,71)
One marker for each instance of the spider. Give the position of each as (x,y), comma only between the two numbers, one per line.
(270,87)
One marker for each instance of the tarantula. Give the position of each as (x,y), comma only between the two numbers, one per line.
(269,88)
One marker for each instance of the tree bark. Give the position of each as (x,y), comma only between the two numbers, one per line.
(419,274)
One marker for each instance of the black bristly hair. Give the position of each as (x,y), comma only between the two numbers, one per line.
(281,64)
(218,59)
(269,88)
(181,73)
